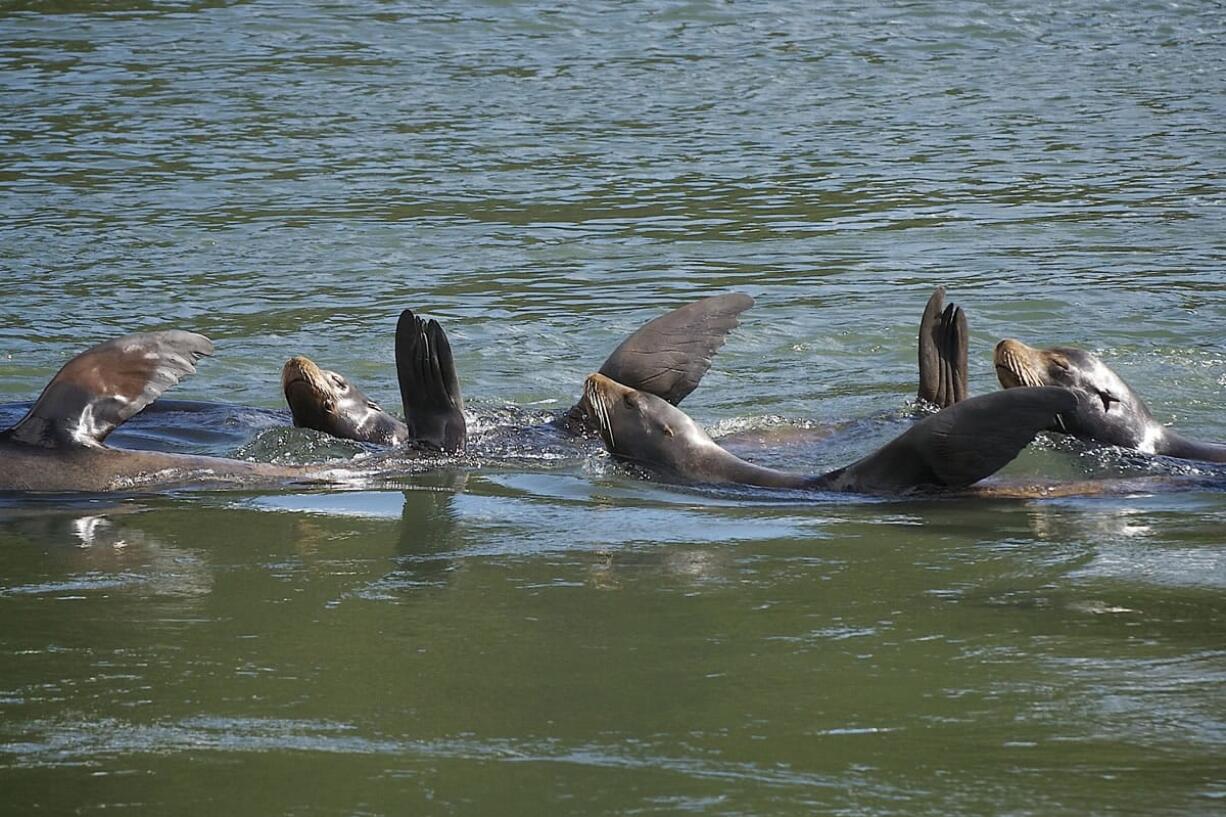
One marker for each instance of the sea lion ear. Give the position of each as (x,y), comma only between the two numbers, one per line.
(104,386)
(669,355)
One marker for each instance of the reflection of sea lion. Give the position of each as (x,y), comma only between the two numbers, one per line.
(953,448)
(58,445)
(1108,410)
(667,356)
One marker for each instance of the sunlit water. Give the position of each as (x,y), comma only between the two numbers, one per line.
(532,629)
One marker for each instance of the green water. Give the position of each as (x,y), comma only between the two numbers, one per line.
(535,630)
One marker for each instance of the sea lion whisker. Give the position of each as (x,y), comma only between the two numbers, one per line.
(606,423)
(600,407)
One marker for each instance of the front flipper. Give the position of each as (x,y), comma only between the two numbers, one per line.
(429,387)
(669,355)
(957,446)
(943,347)
(104,386)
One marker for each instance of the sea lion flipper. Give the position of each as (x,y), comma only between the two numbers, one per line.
(942,352)
(446,366)
(669,355)
(953,353)
(429,386)
(102,387)
(959,445)
(929,359)
(957,349)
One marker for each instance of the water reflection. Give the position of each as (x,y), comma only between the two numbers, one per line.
(431,539)
(103,550)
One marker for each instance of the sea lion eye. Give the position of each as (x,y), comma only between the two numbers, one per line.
(1061,363)
(373,406)
(339,381)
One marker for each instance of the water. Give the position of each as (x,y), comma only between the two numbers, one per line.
(534,630)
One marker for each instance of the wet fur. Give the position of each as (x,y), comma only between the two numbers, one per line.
(953,448)
(1108,409)
(59,444)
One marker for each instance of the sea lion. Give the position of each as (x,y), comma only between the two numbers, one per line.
(325,400)
(1108,410)
(953,448)
(430,391)
(667,356)
(59,444)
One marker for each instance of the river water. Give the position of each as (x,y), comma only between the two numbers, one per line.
(534,630)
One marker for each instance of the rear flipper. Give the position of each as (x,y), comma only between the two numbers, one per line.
(669,355)
(959,445)
(429,388)
(942,352)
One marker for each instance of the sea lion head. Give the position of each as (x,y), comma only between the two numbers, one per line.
(328,402)
(644,429)
(1108,410)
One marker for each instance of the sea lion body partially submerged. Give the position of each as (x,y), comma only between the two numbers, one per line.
(434,409)
(327,401)
(954,448)
(104,469)
(1108,409)
(667,356)
(59,444)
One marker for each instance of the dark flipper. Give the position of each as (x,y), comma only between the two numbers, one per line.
(1173,445)
(104,386)
(669,355)
(959,445)
(943,347)
(429,388)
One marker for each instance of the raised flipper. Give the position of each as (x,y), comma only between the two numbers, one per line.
(429,388)
(101,388)
(943,347)
(669,355)
(959,445)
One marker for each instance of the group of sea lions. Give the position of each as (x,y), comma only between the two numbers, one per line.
(630,403)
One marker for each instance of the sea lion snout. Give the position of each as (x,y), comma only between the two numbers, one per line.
(1017,364)
(300,368)
(600,394)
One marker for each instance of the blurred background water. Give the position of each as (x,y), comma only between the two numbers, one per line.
(537,631)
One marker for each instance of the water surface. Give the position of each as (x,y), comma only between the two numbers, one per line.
(534,630)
